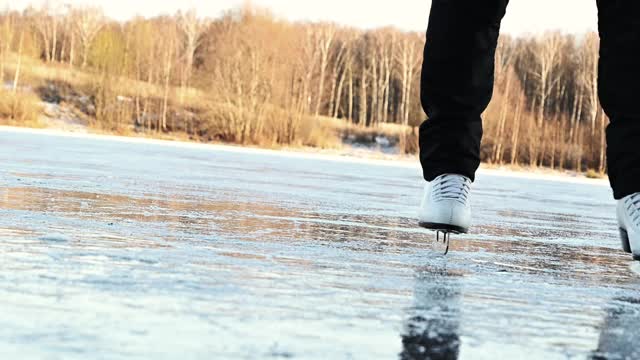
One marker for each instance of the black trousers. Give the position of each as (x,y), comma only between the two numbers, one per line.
(458,76)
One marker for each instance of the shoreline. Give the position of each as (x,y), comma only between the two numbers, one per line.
(317,154)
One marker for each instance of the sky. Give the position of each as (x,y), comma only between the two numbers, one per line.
(523,16)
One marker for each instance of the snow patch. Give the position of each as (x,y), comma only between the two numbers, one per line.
(61,117)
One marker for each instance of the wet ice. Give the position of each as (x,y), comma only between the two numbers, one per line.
(187,251)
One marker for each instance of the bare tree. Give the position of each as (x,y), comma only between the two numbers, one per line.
(505,74)
(386,56)
(589,56)
(545,55)
(499,140)
(169,52)
(407,58)
(16,77)
(56,16)
(517,120)
(88,23)
(347,72)
(338,74)
(364,83)
(381,71)
(43,23)
(192,29)
(7,30)
(324,37)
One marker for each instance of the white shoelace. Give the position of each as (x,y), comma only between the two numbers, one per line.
(633,208)
(452,187)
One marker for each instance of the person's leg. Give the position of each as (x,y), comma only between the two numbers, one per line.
(457,83)
(620,91)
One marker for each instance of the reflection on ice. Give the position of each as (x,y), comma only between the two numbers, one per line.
(619,335)
(433,325)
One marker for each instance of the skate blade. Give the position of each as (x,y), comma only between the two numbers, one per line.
(445,230)
(626,245)
(624,236)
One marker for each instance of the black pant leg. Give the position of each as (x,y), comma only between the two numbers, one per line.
(457,83)
(619,88)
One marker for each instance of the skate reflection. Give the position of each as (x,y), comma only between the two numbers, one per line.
(431,330)
(619,337)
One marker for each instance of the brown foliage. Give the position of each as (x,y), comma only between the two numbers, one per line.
(19,108)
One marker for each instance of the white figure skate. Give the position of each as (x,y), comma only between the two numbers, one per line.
(629,223)
(445,207)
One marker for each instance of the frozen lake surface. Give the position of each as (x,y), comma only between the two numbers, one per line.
(113,249)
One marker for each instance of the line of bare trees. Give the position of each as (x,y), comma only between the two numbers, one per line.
(248,77)
(546,111)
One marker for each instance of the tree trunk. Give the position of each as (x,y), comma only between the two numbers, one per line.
(407,108)
(603,142)
(72,49)
(16,77)
(334,83)
(385,101)
(338,98)
(516,133)
(47,53)
(362,117)
(497,152)
(54,41)
(350,94)
(374,91)
(85,55)
(323,67)
(167,78)
(580,147)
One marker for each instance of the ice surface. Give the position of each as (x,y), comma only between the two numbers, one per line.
(110,249)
